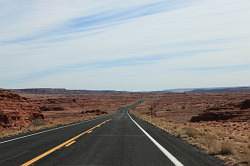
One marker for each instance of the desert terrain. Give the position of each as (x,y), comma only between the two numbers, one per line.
(30,110)
(217,123)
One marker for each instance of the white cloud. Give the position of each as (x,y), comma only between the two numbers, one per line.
(200,34)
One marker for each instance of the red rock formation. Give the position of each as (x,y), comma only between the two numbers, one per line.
(17,111)
(245,104)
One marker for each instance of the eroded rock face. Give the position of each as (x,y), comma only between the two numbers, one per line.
(245,104)
(213,116)
(17,111)
(5,95)
(96,111)
(4,118)
(51,108)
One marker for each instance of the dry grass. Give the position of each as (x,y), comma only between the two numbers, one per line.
(226,148)
(38,122)
(188,131)
(222,141)
(216,147)
(8,132)
(212,144)
(244,155)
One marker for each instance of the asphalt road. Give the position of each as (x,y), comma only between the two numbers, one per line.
(113,140)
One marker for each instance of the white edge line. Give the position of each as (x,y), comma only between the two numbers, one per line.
(159,146)
(45,131)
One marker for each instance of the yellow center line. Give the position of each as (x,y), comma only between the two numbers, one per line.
(32,161)
(70,143)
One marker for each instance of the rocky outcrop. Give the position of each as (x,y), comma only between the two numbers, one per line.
(245,104)
(213,116)
(21,108)
(17,111)
(51,108)
(96,112)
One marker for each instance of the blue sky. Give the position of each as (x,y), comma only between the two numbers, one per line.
(124,45)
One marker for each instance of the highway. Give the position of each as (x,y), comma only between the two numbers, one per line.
(118,139)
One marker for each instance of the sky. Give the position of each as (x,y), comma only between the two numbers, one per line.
(134,45)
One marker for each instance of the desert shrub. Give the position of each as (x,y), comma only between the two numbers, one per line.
(190,132)
(216,147)
(226,148)
(244,156)
(248,157)
(212,144)
(38,122)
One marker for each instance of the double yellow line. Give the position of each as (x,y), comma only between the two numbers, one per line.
(64,144)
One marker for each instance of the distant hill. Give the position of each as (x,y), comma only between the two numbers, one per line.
(66,91)
(207,90)
(222,90)
(62,91)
